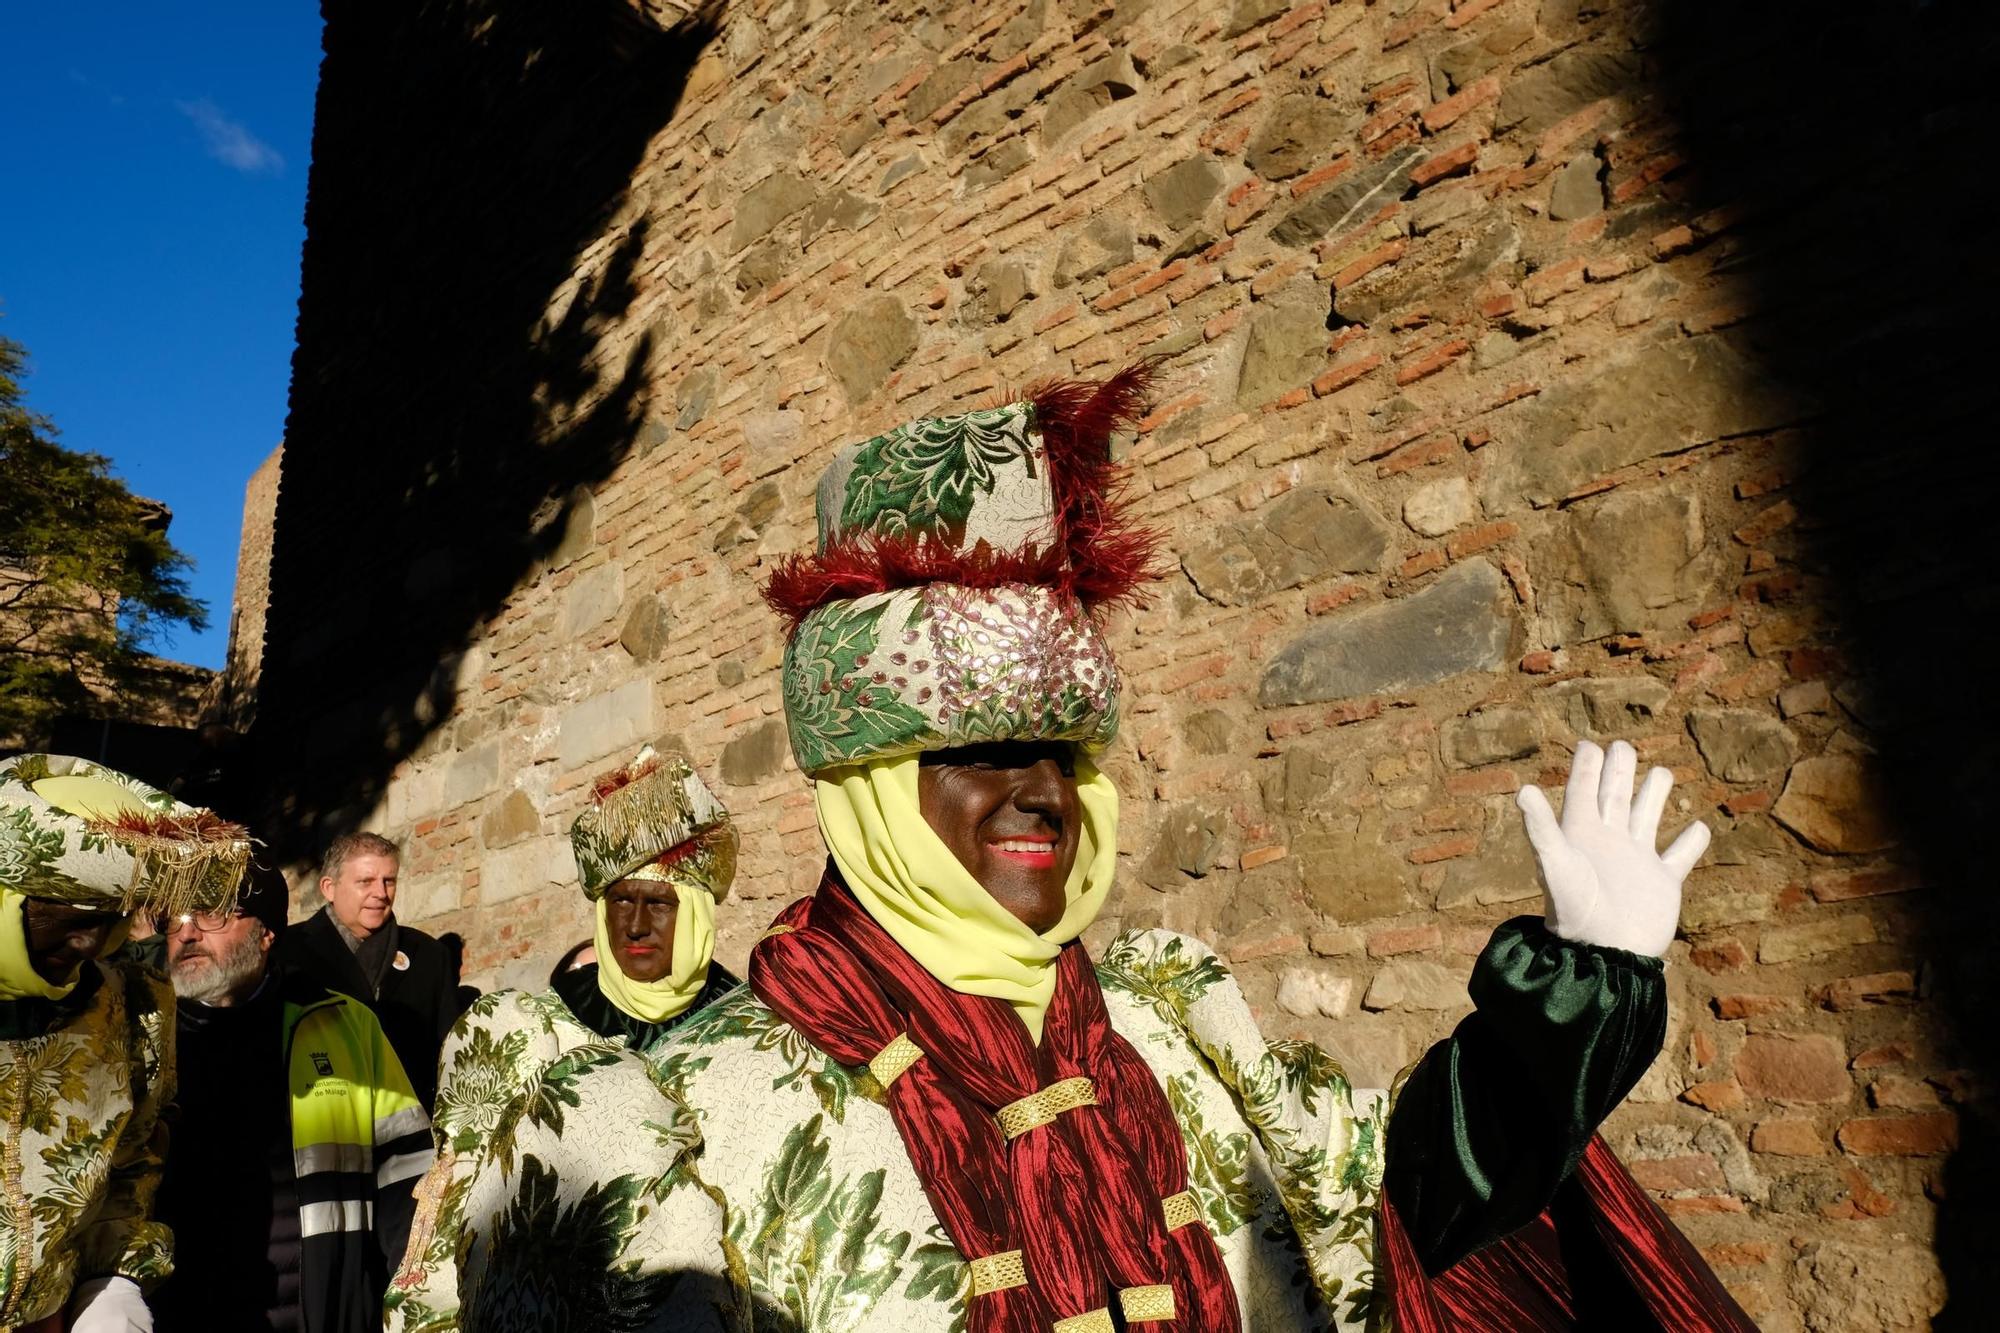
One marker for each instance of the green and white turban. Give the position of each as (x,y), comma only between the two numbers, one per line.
(952,596)
(81,833)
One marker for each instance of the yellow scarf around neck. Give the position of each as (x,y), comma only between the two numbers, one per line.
(694,946)
(904,877)
(18,978)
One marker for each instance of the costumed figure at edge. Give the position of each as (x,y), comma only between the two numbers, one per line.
(86,1033)
(655,850)
(930,1109)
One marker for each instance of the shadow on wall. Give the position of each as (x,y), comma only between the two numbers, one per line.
(451,400)
(1857,141)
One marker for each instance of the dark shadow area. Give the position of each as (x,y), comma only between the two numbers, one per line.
(447,405)
(1858,141)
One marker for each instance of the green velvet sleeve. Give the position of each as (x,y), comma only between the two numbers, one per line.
(1496,1115)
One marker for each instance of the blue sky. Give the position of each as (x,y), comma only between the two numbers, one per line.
(153,167)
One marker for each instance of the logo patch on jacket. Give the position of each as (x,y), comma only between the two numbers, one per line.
(322,1065)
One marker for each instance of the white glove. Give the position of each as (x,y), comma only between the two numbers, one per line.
(1604,882)
(109,1305)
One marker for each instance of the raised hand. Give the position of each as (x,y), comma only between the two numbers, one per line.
(1603,881)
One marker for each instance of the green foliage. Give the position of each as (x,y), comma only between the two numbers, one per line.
(88,578)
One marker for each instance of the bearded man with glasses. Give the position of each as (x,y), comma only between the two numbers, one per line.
(297,1141)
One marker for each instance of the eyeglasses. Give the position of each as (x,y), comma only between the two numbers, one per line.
(206,922)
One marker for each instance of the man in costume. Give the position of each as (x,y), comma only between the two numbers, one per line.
(296,1143)
(932,1111)
(355,946)
(86,1034)
(654,850)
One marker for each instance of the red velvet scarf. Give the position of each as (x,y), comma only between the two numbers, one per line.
(1080,1197)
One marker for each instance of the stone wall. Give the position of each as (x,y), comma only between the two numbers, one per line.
(1495,417)
(236,700)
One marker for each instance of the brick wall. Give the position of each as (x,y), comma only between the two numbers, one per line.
(1486,428)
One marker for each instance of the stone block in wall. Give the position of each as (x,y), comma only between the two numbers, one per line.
(1489,736)
(579,528)
(1182,193)
(766,204)
(606,724)
(526,867)
(696,394)
(421,897)
(1539,97)
(1636,405)
(1295,135)
(1100,245)
(1372,1047)
(876,335)
(1611,706)
(648,628)
(1305,535)
(592,598)
(1348,200)
(1464,621)
(1841,1284)
(1349,874)
(1437,507)
(1416,983)
(416,794)
(1308,991)
(471,774)
(513,818)
(1633,562)
(1502,871)
(1742,744)
(755,754)
(1833,806)
(1186,844)
(1286,346)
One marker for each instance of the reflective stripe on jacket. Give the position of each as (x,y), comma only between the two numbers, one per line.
(360,1140)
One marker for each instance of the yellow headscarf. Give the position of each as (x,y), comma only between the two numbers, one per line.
(88,797)
(915,888)
(18,978)
(694,946)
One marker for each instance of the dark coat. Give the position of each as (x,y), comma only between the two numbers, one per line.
(418,1003)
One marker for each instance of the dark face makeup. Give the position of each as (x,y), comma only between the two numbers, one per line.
(639,917)
(61,937)
(1008,811)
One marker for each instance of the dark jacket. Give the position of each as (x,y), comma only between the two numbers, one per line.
(417,1005)
(289,1180)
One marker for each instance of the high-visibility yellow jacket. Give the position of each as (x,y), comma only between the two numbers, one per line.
(360,1141)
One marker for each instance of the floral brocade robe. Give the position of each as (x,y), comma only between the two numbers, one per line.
(493,1073)
(82,1144)
(800,1211)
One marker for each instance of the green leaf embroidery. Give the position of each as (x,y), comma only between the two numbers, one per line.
(815,1246)
(1218,1164)
(927,475)
(740,1016)
(1168,977)
(940,1274)
(831,695)
(551,1265)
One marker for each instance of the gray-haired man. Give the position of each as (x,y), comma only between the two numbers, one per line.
(354,945)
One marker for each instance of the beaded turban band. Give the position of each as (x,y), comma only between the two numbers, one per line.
(952,596)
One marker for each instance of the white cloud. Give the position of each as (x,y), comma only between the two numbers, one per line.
(228,142)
